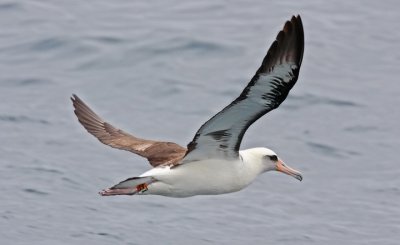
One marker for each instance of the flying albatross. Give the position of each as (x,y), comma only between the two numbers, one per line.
(212,163)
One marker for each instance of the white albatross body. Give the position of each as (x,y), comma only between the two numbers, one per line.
(198,178)
(206,177)
(212,163)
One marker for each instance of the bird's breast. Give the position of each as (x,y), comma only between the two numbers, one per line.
(205,177)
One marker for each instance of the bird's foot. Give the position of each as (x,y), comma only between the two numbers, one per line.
(141,188)
(114,192)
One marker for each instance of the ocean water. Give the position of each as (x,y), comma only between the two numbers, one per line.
(159,69)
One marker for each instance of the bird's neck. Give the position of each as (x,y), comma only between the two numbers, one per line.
(252,165)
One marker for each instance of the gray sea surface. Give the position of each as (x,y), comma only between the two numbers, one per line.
(159,69)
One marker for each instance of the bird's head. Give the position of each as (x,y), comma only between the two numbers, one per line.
(270,161)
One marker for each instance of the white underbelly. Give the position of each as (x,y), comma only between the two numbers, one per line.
(198,178)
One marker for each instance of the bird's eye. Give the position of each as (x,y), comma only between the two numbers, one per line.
(273,158)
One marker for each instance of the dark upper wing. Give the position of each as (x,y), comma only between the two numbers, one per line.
(222,134)
(156,152)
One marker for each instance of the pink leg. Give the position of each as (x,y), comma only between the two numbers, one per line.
(114,192)
(126,191)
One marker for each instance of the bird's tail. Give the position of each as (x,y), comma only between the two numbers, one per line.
(131,186)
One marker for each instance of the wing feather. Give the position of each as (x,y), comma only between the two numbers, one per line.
(157,152)
(220,137)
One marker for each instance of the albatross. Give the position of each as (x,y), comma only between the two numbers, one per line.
(212,163)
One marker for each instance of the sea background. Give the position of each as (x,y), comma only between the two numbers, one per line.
(159,69)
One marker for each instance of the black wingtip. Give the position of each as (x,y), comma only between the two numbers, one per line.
(287,47)
(299,26)
(295,18)
(74,97)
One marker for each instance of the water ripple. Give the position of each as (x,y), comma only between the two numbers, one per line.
(36,192)
(107,235)
(9,6)
(325,149)
(196,46)
(29,81)
(22,119)
(361,129)
(47,170)
(107,39)
(310,99)
(48,44)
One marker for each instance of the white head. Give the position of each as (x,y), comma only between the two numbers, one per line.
(268,160)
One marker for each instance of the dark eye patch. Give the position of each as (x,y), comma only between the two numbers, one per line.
(273,158)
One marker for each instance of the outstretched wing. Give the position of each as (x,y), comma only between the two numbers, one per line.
(156,152)
(220,137)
